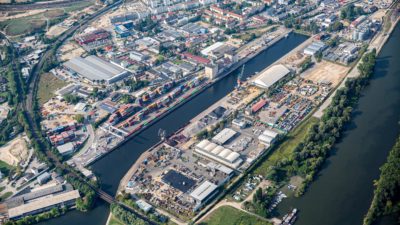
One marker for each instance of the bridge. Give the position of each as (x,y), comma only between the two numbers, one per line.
(111,200)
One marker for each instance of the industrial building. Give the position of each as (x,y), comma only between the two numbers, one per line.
(96,70)
(270,76)
(66,149)
(146,207)
(268,137)
(314,48)
(178,181)
(138,56)
(219,154)
(37,201)
(43,178)
(204,193)
(224,136)
(44,204)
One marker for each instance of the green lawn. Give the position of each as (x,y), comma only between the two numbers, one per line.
(288,145)
(5,168)
(27,24)
(48,84)
(114,221)
(5,196)
(78,6)
(229,215)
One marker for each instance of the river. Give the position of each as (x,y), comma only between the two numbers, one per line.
(111,168)
(344,189)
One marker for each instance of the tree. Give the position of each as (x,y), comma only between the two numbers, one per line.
(72,99)
(79,118)
(336,26)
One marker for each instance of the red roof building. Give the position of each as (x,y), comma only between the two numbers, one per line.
(256,107)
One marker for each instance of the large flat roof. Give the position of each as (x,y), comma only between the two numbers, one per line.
(211,48)
(203,191)
(223,136)
(42,203)
(270,76)
(94,68)
(178,181)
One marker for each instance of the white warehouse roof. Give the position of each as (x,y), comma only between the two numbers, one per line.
(270,133)
(42,203)
(270,76)
(203,191)
(211,48)
(267,137)
(94,69)
(218,153)
(224,136)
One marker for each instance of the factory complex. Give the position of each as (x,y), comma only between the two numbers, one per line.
(96,70)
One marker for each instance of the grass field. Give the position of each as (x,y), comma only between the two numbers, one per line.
(27,24)
(229,215)
(114,221)
(47,85)
(5,196)
(78,6)
(5,168)
(287,147)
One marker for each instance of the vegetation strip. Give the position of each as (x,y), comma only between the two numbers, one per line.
(310,154)
(386,199)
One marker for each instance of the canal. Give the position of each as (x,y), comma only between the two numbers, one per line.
(111,168)
(344,189)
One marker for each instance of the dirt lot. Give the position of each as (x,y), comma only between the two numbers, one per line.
(326,72)
(14,152)
(70,50)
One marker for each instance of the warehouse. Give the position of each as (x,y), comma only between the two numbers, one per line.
(270,76)
(44,204)
(219,154)
(268,137)
(204,193)
(96,70)
(66,149)
(314,48)
(224,136)
(178,181)
(146,207)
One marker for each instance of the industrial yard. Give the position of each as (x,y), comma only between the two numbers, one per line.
(232,133)
(113,75)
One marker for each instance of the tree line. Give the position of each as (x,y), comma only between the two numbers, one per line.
(308,157)
(262,201)
(125,216)
(27,220)
(386,199)
(86,202)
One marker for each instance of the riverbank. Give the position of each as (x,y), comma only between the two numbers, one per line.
(245,54)
(386,188)
(348,173)
(113,166)
(221,102)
